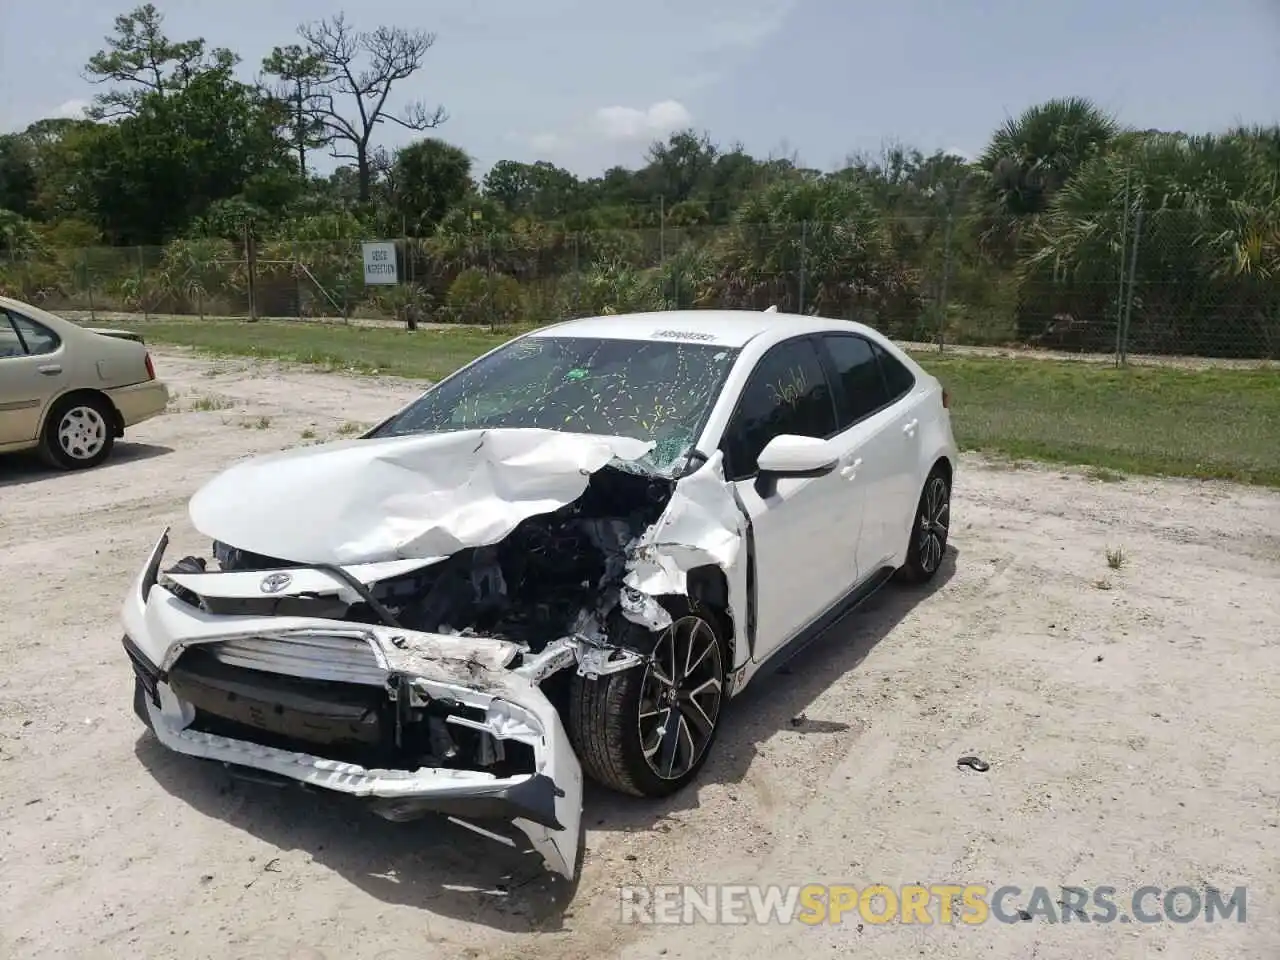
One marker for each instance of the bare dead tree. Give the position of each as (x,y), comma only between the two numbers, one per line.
(359,68)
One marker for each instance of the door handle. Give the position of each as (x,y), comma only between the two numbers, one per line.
(910,428)
(850,471)
(50,369)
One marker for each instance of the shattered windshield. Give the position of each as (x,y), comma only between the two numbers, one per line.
(660,391)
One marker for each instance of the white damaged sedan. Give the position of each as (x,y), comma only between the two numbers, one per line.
(566,556)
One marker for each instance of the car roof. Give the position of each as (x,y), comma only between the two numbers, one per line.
(36,313)
(726,328)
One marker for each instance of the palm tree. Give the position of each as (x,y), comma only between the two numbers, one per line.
(1208,249)
(814,243)
(1032,157)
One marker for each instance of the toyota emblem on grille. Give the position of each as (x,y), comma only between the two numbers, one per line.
(275,582)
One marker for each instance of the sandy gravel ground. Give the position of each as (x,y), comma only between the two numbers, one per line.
(1130,718)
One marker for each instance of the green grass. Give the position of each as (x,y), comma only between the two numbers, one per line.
(1212,424)
(429,354)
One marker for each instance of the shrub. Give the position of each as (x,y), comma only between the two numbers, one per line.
(479,297)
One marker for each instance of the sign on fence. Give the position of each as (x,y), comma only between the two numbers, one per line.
(379,262)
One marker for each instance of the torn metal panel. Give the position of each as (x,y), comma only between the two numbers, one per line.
(701,526)
(420,496)
(469,680)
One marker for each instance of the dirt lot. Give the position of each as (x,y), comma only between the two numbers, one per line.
(1129,715)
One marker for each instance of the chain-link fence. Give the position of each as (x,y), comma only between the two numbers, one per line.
(1117,283)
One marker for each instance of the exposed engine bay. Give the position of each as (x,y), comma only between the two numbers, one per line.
(554,576)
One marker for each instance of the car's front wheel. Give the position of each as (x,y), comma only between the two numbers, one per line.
(78,433)
(647,731)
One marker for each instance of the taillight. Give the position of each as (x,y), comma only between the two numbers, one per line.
(946,399)
(151,369)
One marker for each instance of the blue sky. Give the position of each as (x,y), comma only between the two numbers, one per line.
(588,83)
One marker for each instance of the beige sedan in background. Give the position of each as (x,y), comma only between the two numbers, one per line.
(68,391)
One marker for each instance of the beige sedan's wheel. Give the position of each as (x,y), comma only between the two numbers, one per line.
(79,433)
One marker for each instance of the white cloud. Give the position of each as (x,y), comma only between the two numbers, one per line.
(72,109)
(964,155)
(630,123)
(609,135)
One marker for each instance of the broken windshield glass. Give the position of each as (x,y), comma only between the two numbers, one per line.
(659,391)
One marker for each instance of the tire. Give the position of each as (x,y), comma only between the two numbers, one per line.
(79,432)
(614,718)
(929,529)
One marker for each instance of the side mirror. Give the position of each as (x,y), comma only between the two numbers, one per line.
(791,456)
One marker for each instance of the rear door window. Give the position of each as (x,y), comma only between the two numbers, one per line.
(36,337)
(860,385)
(10,343)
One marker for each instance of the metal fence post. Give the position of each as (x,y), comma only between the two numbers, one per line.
(142,285)
(1133,280)
(251,266)
(88,285)
(1124,249)
(577,279)
(662,229)
(488,245)
(946,282)
(804,245)
(297,276)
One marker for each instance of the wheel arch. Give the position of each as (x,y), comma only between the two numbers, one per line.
(117,420)
(943,464)
(708,585)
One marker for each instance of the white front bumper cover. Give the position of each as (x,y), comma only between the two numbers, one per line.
(545,805)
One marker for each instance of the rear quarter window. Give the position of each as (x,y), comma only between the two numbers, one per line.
(897,377)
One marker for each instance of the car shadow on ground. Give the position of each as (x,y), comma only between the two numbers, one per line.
(431,863)
(437,865)
(777,699)
(17,469)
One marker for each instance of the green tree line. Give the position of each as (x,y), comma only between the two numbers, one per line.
(186,186)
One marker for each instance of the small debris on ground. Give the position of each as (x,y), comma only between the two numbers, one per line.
(974,763)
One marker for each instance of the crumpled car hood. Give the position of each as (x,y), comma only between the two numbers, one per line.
(424,496)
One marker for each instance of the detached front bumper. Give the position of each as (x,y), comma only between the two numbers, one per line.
(469,674)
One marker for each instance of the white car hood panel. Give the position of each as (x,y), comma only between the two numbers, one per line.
(424,496)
